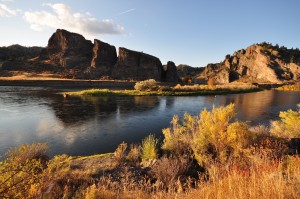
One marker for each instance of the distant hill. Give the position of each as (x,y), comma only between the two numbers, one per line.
(19,52)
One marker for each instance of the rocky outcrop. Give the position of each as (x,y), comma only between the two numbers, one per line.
(104,58)
(72,56)
(170,73)
(184,70)
(261,63)
(69,50)
(137,66)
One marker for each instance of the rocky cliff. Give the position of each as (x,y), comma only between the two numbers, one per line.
(104,58)
(137,66)
(69,50)
(72,56)
(261,63)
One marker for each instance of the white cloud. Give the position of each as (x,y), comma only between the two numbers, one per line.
(63,17)
(6,11)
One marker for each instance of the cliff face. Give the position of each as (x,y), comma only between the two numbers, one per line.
(69,50)
(73,56)
(104,57)
(137,66)
(261,63)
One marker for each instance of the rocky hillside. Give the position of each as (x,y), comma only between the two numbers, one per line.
(72,56)
(260,63)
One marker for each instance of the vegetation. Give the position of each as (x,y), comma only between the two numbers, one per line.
(288,55)
(293,87)
(149,84)
(288,126)
(209,155)
(149,148)
(178,90)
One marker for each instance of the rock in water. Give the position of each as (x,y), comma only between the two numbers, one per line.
(137,66)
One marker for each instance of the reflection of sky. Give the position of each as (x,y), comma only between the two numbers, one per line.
(99,125)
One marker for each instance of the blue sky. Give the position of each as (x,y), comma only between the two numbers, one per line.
(195,32)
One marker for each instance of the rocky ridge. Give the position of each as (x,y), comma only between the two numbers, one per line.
(260,63)
(72,56)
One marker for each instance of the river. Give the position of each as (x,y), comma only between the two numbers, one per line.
(89,125)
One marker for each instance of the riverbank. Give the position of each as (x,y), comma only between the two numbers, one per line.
(171,91)
(247,162)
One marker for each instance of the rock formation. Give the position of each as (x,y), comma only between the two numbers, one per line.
(104,57)
(170,73)
(261,63)
(137,66)
(69,50)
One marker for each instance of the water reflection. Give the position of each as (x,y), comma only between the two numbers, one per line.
(88,125)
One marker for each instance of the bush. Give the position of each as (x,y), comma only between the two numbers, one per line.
(120,153)
(149,148)
(210,136)
(21,172)
(168,170)
(178,139)
(288,126)
(134,153)
(149,84)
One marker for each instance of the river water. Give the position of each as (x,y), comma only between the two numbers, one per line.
(89,125)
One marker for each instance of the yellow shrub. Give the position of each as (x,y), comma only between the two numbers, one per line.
(288,126)
(149,148)
(21,172)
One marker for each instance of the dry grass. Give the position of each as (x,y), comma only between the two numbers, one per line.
(15,75)
(294,87)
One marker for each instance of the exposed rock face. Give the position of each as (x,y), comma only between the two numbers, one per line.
(188,71)
(104,57)
(66,49)
(137,66)
(170,73)
(261,63)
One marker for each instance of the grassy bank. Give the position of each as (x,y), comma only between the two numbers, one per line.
(188,90)
(210,155)
(293,87)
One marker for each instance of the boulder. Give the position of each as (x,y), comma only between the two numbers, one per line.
(133,65)
(69,50)
(104,57)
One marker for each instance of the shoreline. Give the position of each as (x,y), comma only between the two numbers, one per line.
(69,83)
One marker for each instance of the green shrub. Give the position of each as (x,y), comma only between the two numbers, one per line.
(289,124)
(149,148)
(149,84)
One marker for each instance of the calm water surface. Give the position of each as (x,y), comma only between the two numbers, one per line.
(89,125)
